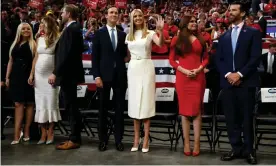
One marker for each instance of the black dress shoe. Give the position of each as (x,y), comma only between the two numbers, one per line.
(102,146)
(229,156)
(251,159)
(120,146)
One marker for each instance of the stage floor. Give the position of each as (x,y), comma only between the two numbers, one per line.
(88,154)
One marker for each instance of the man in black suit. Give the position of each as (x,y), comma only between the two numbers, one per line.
(237,64)
(38,17)
(68,72)
(109,71)
(5,45)
(262,22)
(269,67)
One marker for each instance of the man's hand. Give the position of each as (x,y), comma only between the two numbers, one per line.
(233,78)
(99,82)
(127,59)
(2,83)
(206,70)
(52,79)
(237,83)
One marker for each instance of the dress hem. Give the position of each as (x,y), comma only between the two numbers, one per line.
(142,118)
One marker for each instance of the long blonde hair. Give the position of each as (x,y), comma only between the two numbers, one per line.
(52,31)
(132,26)
(18,39)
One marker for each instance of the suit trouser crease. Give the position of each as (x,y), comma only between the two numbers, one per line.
(119,90)
(238,106)
(69,92)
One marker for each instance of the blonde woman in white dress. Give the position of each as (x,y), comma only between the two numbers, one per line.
(46,96)
(141,74)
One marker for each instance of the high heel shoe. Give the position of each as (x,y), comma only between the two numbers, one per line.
(135,149)
(18,141)
(40,142)
(145,150)
(187,153)
(50,142)
(26,139)
(196,154)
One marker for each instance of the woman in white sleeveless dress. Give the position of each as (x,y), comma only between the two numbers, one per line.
(141,74)
(46,96)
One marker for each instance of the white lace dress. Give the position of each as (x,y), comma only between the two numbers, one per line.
(141,77)
(46,96)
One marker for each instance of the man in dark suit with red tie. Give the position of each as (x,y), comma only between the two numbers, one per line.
(237,64)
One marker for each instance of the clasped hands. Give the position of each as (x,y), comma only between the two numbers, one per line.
(234,79)
(191,73)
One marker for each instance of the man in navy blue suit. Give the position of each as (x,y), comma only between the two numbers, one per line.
(109,71)
(238,56)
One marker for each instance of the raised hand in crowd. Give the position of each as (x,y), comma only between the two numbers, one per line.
(160,23)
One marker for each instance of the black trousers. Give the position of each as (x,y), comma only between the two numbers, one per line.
(3,112)
(69,92)
(118,85)
(212,82)
(238,106)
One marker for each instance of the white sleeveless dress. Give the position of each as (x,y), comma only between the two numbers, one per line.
(46,96)
(141,77)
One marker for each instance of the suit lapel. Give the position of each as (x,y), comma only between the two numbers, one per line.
(119,39)
(107,37)
(240,38)
(229,40)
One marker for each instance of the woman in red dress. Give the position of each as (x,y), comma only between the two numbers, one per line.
(190,79)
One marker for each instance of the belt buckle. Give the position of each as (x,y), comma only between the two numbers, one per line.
(138,58)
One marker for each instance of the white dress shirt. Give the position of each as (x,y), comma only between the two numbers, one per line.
(69,23)
(261,18)
(109,28)
(240,25)
(270,61)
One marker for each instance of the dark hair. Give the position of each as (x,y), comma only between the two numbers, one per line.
(183,43)
(260,11)
(251,16)
(73,10)
(106,11)
(243,6)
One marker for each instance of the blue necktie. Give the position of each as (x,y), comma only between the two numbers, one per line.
(234,37)
(113,39)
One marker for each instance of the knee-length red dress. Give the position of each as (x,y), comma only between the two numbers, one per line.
(190,91)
